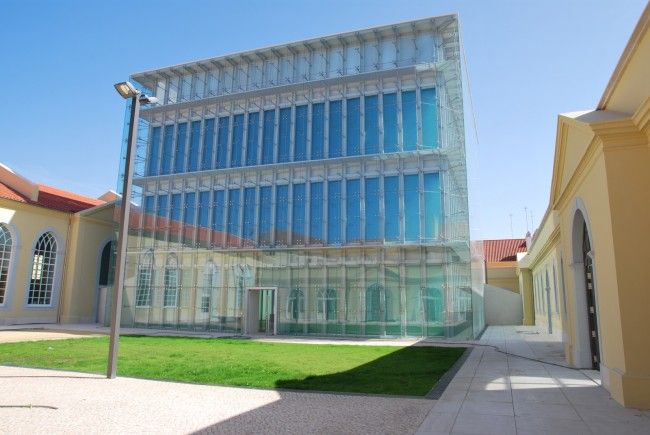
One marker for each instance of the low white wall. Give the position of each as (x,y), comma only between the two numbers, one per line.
(502,306)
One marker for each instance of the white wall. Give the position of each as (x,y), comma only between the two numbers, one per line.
(502,306)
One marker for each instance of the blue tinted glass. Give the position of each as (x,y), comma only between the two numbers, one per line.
(181,139)
(281,214)
(154,152)
(353,136)
(411,208)
(353,211)
(316,213)
(218,214)
(432,206)
(429,118)
(267,140)
(372,210)
(298,215)
(190,208)
(409,127)
(390,123)
(252,138)
(317,131)
(391,208)
(149,204)
(168,152)
(371,124)
(233,216)
(335,129)
(177,206)
(163,205)
(300,134)
(265,217)
(249,214)
(195,138)
(222,142)
(334,212)
(284,139)
(237,140)
(204,209)
(208,140)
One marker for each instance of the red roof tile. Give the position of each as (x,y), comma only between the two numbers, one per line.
(503,249)
(52,198)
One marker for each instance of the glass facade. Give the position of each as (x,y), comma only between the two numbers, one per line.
(346,200)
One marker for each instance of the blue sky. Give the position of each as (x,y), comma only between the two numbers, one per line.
(61,119)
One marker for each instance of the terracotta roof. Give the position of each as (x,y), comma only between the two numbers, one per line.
(52,198)
(503,249)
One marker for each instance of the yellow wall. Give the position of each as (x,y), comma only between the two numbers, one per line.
(503,274)
(80,239)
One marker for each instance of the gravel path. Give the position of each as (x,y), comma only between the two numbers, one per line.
(36,401)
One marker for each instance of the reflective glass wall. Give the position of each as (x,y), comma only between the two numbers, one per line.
(347,195)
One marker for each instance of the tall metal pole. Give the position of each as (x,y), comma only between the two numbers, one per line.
(120,262)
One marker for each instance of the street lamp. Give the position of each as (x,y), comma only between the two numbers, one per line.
(126,90)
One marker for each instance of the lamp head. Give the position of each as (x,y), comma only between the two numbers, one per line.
(126,89)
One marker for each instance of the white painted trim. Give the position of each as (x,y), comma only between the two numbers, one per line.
(13,264)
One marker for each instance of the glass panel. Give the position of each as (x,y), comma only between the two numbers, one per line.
(298,222)
(388,54)
(317,131)
(267,140)
(411,208)
(222,142)
(391,208)
(237,140)
(373,218)
(284,140)
(316,213)
(149,206)
(252,138)
(188,218)
(218,212)
(181,139)
(300,133)
(390,122)
(354,313)
(353,137)
(334,212)
(154,152)
(204,209)
(371,125)
(413,297)
(353,211)
(265,217)
(281,214)
(335,129)
(168,154)
(433,299)
(374,302)
(208,140)
(409,126)
(234,230)
(429,118)
(195,138)
(432,206)
(175,218)
(249,215)
(425,46)
(392,290)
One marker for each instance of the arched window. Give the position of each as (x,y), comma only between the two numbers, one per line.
(106,266)
(296,306)
(144,281)
(41,283)
(171,282)
(5,256)
(326,308)
(210,283)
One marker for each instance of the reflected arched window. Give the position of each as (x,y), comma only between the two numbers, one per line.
(326,304)
(41,283)
(296,306)
(144,280)
(5,257)
(171,282)
(210,284)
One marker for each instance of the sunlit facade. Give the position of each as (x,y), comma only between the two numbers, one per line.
(318,187)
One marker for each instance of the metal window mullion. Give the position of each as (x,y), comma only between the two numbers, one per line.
(418,113)
(244,141)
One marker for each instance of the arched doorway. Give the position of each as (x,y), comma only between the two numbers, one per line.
(586,309)
(105,279)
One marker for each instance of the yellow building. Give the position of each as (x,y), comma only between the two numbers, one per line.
(55,251)
(584,274)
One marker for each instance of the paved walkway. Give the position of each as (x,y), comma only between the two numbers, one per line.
(494,393)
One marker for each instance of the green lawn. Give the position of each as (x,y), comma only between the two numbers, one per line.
(362,369)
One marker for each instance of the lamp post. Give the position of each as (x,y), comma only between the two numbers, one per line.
(126,90)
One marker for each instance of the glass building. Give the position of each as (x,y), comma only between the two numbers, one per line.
(317,187)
